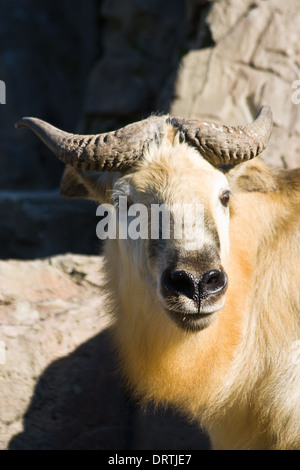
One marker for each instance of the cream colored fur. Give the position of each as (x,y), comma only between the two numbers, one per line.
(239,377)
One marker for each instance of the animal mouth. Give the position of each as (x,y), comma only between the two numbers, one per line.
(191,322)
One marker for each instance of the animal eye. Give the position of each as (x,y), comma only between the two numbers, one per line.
(116,202)
(122,202)
(224,198)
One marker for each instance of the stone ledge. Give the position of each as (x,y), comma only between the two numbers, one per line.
(37,224)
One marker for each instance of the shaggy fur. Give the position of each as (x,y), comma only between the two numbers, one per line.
(239,376)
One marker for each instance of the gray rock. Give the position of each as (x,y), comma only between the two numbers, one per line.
(47,49)
(253,62)
(91,70)
(42,223)
(142,41)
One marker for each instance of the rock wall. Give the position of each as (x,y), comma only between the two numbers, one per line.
(35,224)
(141,43)
(217,60)
(103,64)
(254,60)
(106,63)
(47,49)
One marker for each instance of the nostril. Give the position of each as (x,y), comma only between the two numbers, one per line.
(213,281)
(180,283)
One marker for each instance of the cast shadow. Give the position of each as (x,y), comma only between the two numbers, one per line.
(79,403)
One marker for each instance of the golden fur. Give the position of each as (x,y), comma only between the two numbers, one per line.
(238,376)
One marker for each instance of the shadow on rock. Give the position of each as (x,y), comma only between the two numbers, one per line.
(79,403)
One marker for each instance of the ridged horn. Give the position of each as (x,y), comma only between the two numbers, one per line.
(224,145)
(120,150)
(111,151)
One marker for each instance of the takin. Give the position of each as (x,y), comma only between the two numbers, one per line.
(212,329)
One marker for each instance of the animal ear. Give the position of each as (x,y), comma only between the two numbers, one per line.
(252,176)
(87,184)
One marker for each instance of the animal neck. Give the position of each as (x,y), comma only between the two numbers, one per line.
(262,386)
(224,373)
(165,364)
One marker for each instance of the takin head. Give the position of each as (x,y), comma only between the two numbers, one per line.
(164,166)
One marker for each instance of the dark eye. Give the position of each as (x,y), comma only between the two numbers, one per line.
(224,198)
(122,202)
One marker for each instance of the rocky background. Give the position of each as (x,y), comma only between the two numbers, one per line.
(91,66)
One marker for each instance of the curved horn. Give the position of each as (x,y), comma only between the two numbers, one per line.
(119,150)
(223,145)
(111,151)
